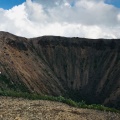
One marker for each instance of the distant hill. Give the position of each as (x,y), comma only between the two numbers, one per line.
(79,68)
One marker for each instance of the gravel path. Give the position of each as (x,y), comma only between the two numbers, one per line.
(21,109)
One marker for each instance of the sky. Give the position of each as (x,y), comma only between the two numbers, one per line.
(116,3)
(7,4)
(70,18)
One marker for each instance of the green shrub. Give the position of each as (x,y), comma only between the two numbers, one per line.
(70,102)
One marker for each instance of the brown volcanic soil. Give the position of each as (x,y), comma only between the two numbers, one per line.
(21,109)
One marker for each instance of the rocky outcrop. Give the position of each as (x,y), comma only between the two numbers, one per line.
(73,67)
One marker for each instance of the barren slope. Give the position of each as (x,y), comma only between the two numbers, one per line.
(74,67)
(24,68)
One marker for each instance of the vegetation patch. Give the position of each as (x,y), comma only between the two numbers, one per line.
(6,84)
(70,102)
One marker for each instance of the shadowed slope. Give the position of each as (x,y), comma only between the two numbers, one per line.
(88,69)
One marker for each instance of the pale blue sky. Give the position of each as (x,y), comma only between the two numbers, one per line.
(7,4)
(116,3)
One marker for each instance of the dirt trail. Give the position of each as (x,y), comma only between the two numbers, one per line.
(21,109)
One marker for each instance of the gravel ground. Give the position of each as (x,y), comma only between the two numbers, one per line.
(21,109)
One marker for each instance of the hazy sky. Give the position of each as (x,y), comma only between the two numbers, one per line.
(70,18)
